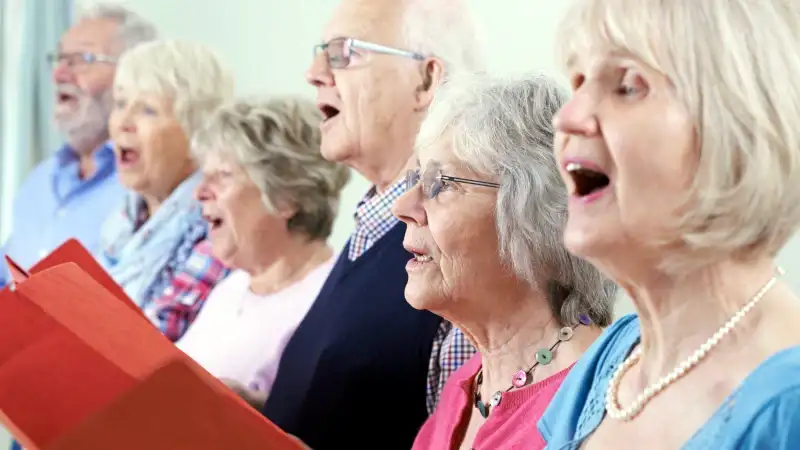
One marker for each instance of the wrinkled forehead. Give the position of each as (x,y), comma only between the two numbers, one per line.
(378,21)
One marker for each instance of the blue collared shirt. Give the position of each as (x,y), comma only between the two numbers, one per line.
(54,204)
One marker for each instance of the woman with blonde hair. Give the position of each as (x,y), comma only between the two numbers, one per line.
(163,92)
(680,150)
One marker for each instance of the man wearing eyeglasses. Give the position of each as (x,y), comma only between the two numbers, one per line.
(364,368)
(72,192)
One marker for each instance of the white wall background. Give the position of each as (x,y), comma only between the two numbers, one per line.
(268,45)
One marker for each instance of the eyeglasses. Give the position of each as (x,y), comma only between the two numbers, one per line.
(79,59)
(433,181)
(339,51)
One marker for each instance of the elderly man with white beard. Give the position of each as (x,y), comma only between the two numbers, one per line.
(71,193)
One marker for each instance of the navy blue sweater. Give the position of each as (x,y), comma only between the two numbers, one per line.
(353,376)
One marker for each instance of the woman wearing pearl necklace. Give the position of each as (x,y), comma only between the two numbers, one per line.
(681,154)
(484,212)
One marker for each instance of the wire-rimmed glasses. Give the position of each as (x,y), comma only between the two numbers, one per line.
(433,181)
(339,51)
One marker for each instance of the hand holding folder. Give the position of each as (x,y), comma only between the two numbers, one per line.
(82,368)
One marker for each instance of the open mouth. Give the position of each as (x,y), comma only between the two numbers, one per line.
(213,222)
(587,181)
(421,257)
(328,111)
(63,97)
(128,155)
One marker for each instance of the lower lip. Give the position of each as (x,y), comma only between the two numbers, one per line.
(327,122)
(587,199)
(414,264)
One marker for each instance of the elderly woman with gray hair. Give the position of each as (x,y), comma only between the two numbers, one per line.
(270,199)
(681,152)
(485,213)
(163,91)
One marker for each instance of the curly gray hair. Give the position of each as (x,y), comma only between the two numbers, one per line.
(277,142)
(503,128)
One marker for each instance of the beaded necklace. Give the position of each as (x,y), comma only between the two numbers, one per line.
(522,377)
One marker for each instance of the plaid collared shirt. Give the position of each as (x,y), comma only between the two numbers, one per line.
(374,218)
(177,307)
(450,347)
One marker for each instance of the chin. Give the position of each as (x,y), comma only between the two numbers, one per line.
(584,244)
(417,298)
(132,182)
(336,147)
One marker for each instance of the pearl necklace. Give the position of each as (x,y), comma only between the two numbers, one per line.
(615,410)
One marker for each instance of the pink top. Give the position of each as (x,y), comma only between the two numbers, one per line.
(511,424)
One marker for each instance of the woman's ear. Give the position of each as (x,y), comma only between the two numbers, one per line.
(431,77)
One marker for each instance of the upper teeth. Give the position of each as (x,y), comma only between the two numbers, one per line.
(423,258)
(573,166)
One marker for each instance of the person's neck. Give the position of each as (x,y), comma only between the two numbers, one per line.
(156,197)
(396,159)
(509,336)
(153,202)
(297,258)
(678,314)
(85,152)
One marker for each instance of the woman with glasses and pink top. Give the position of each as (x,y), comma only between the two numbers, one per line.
(485,213)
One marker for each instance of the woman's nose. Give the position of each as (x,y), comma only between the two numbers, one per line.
(578,116)
(408,207)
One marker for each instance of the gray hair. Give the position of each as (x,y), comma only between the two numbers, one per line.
(133,28)
(446,29)
(502,128)
(187,72)
(277,142)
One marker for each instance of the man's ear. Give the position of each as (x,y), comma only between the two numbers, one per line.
(432,75)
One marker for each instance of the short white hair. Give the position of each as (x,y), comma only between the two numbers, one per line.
(446,29)
(501,128)
(133,28)
(734,66)
(188,73)
(277,143)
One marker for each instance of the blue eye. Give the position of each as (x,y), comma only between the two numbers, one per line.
(149,111)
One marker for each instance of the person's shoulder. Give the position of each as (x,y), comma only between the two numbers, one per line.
(560,419)
(237,281)
(38,178)
(451,400)
(617,338)
(766,410)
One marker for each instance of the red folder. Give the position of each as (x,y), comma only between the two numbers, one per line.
(75,358)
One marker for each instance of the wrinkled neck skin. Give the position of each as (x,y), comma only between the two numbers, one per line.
(680,313)
(511,331)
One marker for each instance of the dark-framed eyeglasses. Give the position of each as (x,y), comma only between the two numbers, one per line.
(79,59)
(433,181)
(339,51)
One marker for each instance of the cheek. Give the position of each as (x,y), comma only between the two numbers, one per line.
(243,206)
(467,245)
(96,83)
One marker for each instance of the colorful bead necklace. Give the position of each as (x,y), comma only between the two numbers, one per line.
(522,377)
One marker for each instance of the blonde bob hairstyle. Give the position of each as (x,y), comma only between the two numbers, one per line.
(733,64)
(188,73)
